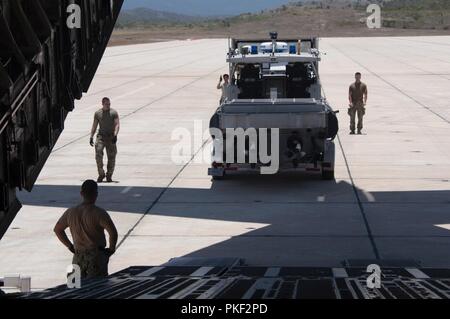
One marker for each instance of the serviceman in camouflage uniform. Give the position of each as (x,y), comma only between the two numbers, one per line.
(108,120)
(87,224)
(358,99)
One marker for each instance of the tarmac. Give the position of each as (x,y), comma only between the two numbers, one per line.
(390,199)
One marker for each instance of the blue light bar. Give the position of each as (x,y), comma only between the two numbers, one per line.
(292,49)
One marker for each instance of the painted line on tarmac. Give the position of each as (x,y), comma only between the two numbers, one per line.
(360,204)
(142,107)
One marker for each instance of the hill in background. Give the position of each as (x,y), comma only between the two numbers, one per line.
(417,14)
(205,8)
(141,17)
(323,18)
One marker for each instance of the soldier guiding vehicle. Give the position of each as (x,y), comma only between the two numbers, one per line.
(358,99)
(108,121)
(229,90)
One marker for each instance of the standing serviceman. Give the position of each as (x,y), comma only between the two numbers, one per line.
(229,90)
(358,99)
(108,120)
(87,224)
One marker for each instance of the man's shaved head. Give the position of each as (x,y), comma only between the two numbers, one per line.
(89,190)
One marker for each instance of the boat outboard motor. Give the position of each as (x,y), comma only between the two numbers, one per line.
(333,125)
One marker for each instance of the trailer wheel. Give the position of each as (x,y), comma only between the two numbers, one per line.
(219,178)
(328,175)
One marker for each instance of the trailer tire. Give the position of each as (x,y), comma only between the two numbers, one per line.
(219,178)
(328,175)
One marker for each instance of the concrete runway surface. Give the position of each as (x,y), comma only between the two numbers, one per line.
(390,200)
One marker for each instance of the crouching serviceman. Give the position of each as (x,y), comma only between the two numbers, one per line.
(87,224)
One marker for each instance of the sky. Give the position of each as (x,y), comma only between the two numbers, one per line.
(206,7)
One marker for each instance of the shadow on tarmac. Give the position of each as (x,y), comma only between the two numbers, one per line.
(295,219)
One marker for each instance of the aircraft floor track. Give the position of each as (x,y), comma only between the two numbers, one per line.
(233,281)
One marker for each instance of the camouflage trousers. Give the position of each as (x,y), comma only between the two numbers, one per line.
(101,144)
(357,110)
(92,263)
